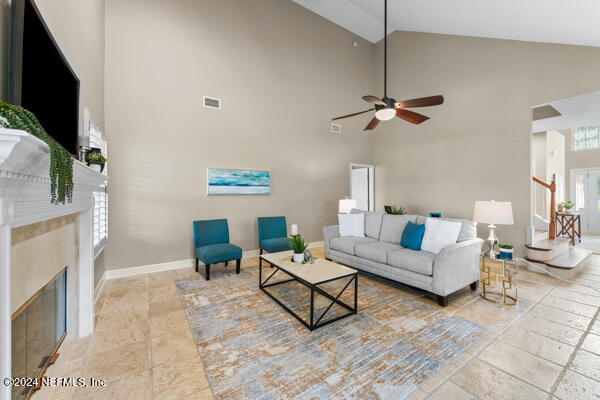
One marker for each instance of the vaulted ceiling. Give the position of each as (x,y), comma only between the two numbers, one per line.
(553,21)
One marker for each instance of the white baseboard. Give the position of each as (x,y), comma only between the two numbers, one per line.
(99,287)
(168,266)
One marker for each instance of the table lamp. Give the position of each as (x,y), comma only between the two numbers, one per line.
(493,213)
(346,205)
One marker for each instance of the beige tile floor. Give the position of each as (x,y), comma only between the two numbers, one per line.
(546,347)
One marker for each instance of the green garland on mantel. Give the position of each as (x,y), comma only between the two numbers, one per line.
(61,162)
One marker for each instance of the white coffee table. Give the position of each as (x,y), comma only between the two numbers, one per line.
(311,275)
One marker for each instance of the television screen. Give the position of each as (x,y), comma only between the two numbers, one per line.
(48,86)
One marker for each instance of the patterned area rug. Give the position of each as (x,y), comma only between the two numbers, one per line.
(253,349)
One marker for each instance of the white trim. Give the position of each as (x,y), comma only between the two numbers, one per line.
(99,287)
(171,265)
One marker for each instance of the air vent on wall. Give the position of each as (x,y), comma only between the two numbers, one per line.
(336,128)
(211,102)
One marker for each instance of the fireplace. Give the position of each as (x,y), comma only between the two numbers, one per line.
(43,303)
(38,329)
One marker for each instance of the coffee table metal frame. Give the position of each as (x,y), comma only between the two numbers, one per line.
(314,287)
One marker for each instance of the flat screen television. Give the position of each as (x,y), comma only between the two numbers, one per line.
(40,78)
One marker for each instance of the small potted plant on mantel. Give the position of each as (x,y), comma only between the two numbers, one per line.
(506,252)
(96,161)
(298,246)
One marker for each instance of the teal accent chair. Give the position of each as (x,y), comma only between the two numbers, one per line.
(272,235)
(211,243)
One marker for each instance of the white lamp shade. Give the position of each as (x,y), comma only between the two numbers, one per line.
(294,230)
(346,205)
(493,212)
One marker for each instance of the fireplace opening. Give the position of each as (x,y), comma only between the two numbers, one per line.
(38,329)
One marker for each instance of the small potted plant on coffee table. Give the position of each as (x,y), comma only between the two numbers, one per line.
(506,251)
(298,246)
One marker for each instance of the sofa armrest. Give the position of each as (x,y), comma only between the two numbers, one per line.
(329,232)
(456,266)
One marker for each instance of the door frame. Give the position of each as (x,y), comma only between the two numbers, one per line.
(371,168)
(585,217)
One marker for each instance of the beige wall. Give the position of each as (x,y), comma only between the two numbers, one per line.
(477,145)
(281,71)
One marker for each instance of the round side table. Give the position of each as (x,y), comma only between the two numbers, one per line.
(504,291)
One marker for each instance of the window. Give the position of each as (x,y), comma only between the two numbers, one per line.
(586,137)
(580,193)
(100,221)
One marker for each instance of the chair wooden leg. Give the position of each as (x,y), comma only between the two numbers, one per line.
(442,301)
(237,265)
(197,261)
(226,263)
(207,272)
(474,285)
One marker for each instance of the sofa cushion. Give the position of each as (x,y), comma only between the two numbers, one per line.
(373,224)
(376,251)
(275,244)
(352,224)
(420,262)
(392,227)
(468,230)
(439,234)
(220,252)
(346,244)
(412,236)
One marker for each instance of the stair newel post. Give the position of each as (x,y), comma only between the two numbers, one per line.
(552,226)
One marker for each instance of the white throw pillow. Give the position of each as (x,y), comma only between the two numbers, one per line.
(352,224)
(439,234)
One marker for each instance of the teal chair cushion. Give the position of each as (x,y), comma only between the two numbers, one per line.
(210,232)
(219,252)
(271,227)
(276,244)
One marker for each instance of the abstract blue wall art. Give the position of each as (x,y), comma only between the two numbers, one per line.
(238,181)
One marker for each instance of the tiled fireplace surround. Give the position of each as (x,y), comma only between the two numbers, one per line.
(38,239)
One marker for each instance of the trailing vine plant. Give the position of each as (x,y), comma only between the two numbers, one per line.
(61,162)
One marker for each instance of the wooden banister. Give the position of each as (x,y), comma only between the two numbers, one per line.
(552,187)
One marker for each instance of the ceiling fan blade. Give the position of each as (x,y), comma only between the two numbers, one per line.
(410,116)
(352,115)
(374,100)
(420,102)
(372,125)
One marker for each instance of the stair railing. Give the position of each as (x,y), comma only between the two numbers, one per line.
(552,187)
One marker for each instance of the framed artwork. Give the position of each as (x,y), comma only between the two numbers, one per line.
(238,181)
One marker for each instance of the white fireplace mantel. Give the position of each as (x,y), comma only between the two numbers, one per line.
(25,199)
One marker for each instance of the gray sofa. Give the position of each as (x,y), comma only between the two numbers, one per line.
(380,253)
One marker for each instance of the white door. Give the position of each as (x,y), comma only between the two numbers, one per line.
(360,188)
(585,189)
(594,202)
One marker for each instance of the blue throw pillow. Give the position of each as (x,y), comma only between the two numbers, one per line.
(412,236)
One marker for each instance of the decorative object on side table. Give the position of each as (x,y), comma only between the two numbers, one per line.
(393,210)
(499,285)
(435,215)
(565,206)
(492,213)
(346,205)
(506,252)
(96,161)
(298,245)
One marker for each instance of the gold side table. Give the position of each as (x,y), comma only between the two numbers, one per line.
(503,289)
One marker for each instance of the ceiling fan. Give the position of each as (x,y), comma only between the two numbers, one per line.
(387,108)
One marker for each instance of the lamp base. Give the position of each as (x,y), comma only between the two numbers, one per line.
(492,241)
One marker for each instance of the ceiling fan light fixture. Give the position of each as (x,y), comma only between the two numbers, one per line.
(385,114)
